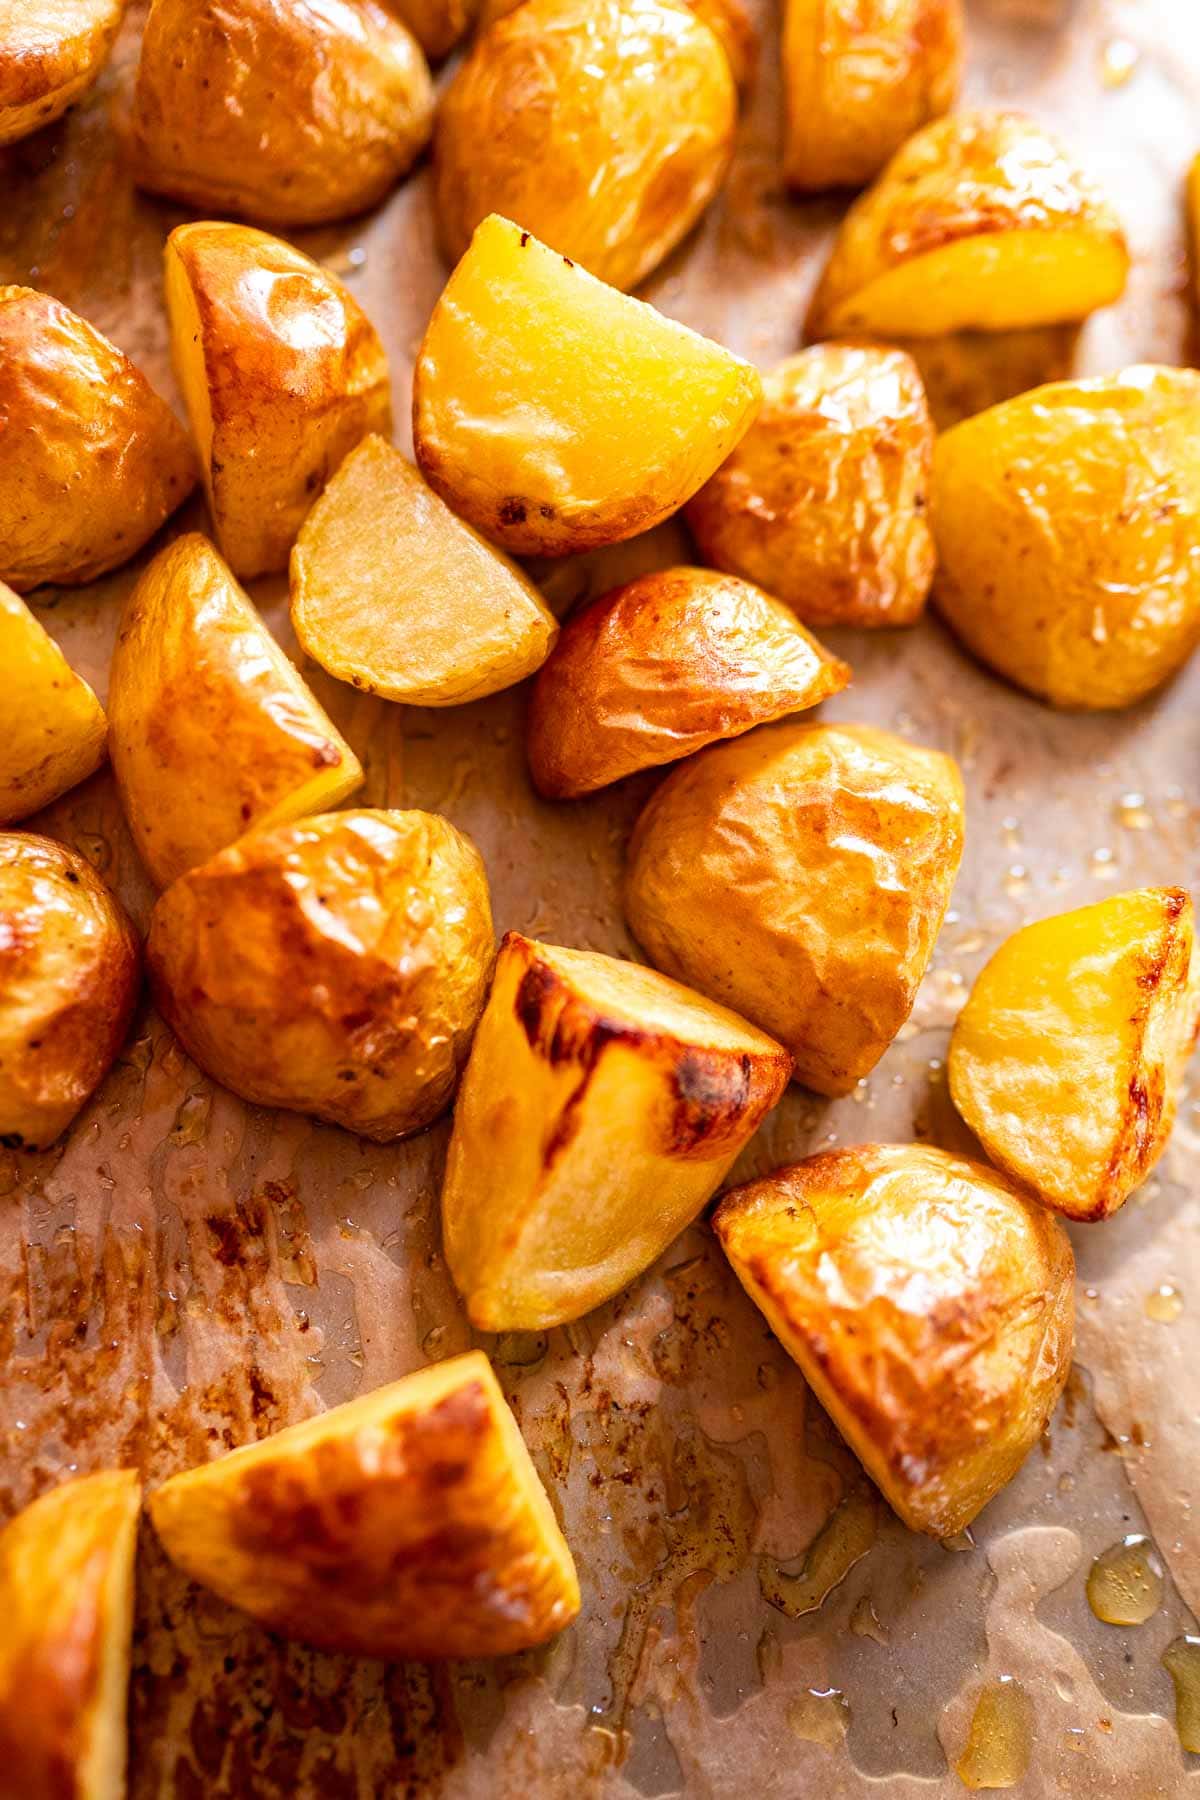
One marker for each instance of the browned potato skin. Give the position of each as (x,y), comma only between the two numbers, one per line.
(49,56)
(94,461)
(823,502)
(437,25)
(70,969)
(336,966)
(728,18)
(662,666)
(965,372)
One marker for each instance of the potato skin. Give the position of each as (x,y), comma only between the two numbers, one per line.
(54,726)
(49,56)
(437,25)
(70,970)
(965,372)
(661,666)
(94,461)
(930,1306)
(800,875)
(824,501)
(336,966)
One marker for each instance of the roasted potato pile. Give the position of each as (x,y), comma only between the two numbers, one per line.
(54,726)
(50,54)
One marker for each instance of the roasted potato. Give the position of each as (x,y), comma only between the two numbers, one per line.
(800,875)
(981,222)
(282,374)
(54,726)
(859,77)
(824,500)
(517,418)
(930,1306)
(1192,206)
(1067,524)
(965,372)
(437,25)
(70,969)
(66,1587)
(601,1108)
(393,593)
(50,55)
(728,18)
(213,731)
(659,668)
(93,460)
(336,966)
(293,115)
(1067,1058)
(408,1523)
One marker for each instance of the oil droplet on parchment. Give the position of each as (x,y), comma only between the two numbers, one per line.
(1132,814)
(1165,1304)
(1181,1660)
(843,1540)
(999,1743)
(820,1716)
(1125,1583)
(1118,60)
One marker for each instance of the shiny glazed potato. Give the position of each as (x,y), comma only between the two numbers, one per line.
(437,25)
(54,726)
(601,1108)
(800,875)
(659,668)
(70,969)
(393,593)
(66,1588)
(408,1523)
(1068,533)
(930,1306)
(604,126)
(50,54)
(517,418)
(824,500)
(93,460)
(335,967)
(728,18)
(1067,1058)
(213,732)
(282,374)
(980,222)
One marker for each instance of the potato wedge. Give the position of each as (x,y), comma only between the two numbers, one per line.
(662,666)
(981,222)
(930,1306)
(336,966)
(824,501)
(70,971)
(292,115)
(282,373)
(394,594)
(1023,498)
(213,732)
(800,875)
(54,726)
(859,77)
(437,25)
(600,1109)
(49,56)
(519,425)
(408,1523)
(93,462)
(66,1587)
(1067,1058)
(965,372)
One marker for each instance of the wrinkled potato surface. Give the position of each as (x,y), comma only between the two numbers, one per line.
(54,727)
(601,1108)
(408,1523)
(930,1306)
(1068,533)
(557,414)
(50,54)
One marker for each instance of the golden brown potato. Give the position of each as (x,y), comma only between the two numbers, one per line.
(965,372)
(859,77)
(282,374)
(800,875)
(662,666)
(981,222)
(930,1306)
(66,1588)
(393,593)
(93,460)
(557,414)
(437,25)
(1192,205)
(824,500)
(336,966)
(54,726)
(70,969)
(290,114)
(50,54)
(408,1523)
(213,732)
(1067,524)
(728,18)
(1067,1058)
(601,1108)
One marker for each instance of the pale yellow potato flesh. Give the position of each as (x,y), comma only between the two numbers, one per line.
(408,1523)
(54,726)
(601,1108)
(50,54)
(396,595)
(557,414)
